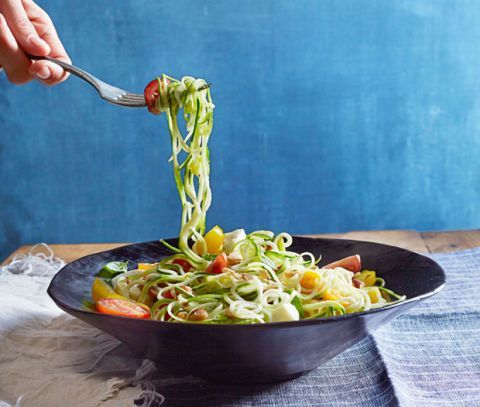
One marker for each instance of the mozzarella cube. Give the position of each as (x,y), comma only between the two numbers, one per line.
(232,238)
(285,312)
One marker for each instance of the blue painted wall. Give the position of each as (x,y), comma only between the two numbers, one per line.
(331,115)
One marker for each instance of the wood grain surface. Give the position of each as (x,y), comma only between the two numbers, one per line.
(420,242)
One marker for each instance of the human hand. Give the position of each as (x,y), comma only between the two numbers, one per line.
(25,28)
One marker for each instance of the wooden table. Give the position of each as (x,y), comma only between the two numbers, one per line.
(421,242)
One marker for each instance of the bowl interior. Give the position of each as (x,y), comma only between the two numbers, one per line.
(405,272)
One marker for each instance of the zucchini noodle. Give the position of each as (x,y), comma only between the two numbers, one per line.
(192,176)
(233,278)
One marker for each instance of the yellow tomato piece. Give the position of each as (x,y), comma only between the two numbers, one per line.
(309,280)
(214,240)
(101,289)
(368,277)
(199,248)
(145,266)
(375,295)
(328,296)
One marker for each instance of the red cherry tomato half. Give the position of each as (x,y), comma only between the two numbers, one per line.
(152,94)
(217,265)
(351,263)
(167,315)
(123,308)
(184,264)
(152,293)
(357,283)
(169,295)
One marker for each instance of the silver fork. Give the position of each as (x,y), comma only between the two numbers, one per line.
(107,92)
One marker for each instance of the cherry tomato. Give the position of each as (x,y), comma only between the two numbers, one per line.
(351,263)
(309,280)
(123,308)
(152,93)
(145,266)
(101,289)
(169,295)
(167,315)
(214,240)
(217,265)
(152,293)
(184,264)
(357,283)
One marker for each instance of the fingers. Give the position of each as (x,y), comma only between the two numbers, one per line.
(23,29)
(48,72)
(12,58)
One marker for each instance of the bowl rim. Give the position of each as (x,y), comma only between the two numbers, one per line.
(303,322)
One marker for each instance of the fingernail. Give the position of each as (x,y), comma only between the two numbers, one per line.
(36,41)
(43,74)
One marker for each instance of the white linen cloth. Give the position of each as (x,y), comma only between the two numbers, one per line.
(47,357)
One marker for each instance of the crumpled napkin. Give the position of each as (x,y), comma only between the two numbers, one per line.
(48,358)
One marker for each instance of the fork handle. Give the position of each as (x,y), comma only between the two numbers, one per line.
(92,80)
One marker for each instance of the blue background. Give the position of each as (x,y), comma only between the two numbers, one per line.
(331,116)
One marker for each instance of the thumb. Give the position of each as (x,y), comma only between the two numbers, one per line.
(22,28)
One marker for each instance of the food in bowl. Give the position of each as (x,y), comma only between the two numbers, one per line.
(226,278)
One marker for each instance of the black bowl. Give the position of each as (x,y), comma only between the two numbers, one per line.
(251,353)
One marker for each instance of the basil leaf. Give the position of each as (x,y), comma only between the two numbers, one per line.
(112,269)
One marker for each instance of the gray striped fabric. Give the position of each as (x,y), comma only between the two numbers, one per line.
(427,357)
